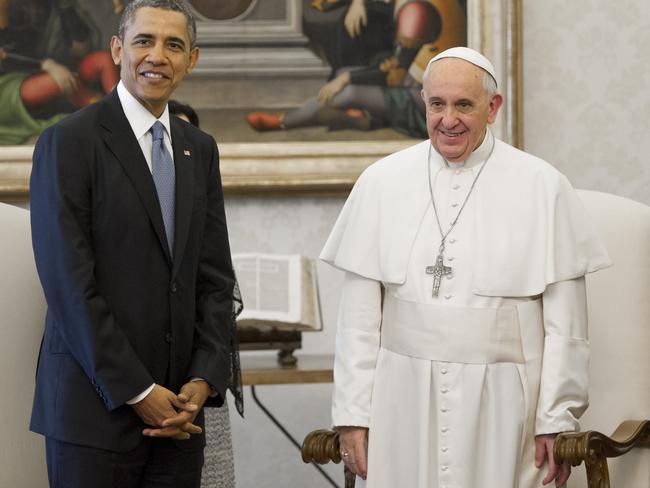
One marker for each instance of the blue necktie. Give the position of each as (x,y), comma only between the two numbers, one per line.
(164,177)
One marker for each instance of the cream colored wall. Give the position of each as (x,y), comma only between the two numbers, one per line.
(587,91)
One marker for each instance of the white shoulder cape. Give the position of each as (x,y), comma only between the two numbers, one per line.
(531,229)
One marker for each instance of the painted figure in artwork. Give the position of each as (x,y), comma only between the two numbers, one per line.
(349,33)
(48,65)
(386,91)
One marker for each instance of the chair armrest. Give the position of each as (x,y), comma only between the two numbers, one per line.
(322,446)
(594,448)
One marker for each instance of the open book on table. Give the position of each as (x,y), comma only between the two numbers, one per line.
(278,291)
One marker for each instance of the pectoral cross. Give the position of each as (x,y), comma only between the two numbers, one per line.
(438,271)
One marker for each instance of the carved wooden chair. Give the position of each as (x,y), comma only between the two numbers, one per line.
(619,320)
(22,312)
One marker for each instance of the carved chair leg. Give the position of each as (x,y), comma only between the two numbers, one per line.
(597,470)
(350,477)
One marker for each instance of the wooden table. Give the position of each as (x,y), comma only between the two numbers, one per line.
(266,370)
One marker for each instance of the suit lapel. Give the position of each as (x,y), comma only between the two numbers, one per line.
(184,162)
(119,138)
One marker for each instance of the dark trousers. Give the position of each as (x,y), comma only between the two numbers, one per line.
(154,463)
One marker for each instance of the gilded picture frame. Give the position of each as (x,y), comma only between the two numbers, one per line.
(494,28)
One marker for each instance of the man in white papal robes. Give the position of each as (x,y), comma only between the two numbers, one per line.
(475,356)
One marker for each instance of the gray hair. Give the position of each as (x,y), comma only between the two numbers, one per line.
(489,83)
(174,5)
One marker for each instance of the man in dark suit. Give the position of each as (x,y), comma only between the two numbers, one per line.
(132,251)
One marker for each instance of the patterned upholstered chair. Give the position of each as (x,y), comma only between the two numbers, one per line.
(619,319)
(22,310)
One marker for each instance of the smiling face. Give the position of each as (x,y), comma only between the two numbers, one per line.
(154,55)
(459,107)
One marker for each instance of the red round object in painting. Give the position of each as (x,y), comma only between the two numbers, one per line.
(419,21)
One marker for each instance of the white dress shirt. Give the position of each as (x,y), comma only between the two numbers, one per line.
(141,120)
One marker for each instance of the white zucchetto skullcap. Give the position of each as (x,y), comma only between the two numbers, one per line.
(469,55)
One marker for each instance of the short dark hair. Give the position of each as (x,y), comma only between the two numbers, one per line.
(174,5)
(178,108)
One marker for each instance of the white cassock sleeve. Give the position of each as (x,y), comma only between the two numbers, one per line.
(357,347)
(563,395)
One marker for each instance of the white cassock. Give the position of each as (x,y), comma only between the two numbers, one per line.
(453,388)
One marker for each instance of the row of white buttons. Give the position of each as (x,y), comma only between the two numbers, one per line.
(444,409)
(444,390)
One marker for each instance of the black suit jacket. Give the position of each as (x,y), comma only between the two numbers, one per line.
(122,313)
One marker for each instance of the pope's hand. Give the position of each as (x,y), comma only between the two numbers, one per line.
(353,442)
(544,453)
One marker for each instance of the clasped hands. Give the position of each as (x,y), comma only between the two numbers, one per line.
(171,415)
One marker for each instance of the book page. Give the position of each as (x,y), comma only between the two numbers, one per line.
(278,291)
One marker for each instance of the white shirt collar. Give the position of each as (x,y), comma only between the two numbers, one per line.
(138,116)
(478,156)
(481,153)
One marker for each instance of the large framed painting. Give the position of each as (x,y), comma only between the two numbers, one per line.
(301,95)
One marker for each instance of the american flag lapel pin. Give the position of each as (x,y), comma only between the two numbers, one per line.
(186,152)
